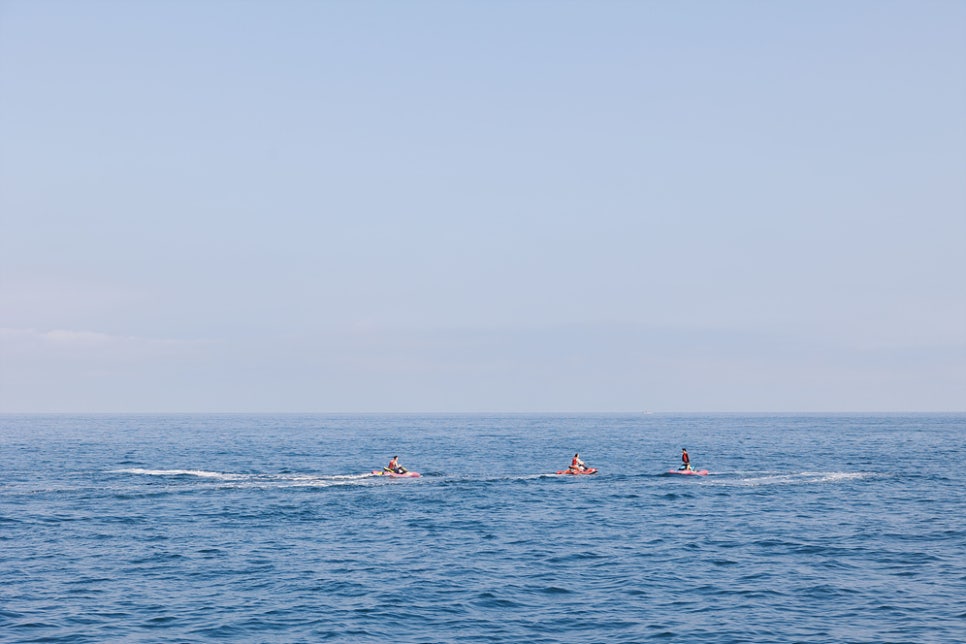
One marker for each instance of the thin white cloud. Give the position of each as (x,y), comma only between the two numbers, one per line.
(21,340)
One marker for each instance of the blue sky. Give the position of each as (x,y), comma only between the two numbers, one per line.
(482,206)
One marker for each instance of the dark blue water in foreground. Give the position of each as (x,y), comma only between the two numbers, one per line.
(263,529)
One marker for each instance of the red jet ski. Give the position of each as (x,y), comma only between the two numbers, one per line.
(589,470)
(397,475)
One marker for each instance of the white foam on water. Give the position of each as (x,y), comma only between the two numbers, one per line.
(314,480)
(801,478)
(833,477)
(199,473)
(341,477)
(267,481)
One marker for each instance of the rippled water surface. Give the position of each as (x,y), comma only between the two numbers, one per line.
(268,529)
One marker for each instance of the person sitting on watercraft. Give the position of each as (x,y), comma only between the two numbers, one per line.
(394,466)
(577,465)
(685,460)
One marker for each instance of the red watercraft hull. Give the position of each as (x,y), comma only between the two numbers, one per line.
(396,475)
(589,470)
(689,472)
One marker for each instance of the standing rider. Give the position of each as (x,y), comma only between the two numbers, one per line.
(685,460)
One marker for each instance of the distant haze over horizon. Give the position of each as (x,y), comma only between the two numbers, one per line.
(369,206)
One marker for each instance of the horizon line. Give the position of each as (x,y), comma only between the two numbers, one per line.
(481,412)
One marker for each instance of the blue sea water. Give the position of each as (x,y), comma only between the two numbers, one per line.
(266,528)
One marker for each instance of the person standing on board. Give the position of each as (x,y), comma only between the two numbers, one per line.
(577,465)
(685,460)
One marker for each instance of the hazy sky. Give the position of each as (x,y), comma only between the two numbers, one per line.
(482,206)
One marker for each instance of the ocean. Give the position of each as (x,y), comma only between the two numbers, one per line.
(268,528)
